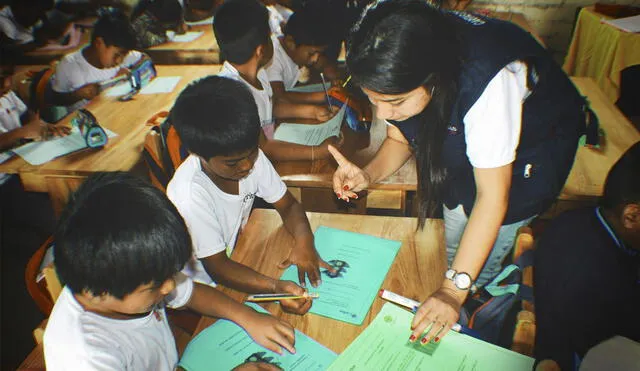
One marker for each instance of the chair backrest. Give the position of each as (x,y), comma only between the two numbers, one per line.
(525,328)
(43,285)
(163,151)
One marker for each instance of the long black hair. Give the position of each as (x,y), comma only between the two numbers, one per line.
(398,46)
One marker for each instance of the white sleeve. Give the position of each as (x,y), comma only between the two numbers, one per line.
(131,58)
(275,71)
(271,188)
(493,124)
(97,356)
(64,79)
(180,296)
(206,232)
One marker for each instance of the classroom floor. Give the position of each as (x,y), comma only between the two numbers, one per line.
(26,220)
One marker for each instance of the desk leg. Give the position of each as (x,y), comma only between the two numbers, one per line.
(60,188)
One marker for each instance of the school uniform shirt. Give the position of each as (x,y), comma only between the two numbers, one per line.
(11,108)
(74,71)
(278,15)
(12,29)
(493,143)
(76,339)
(282,67)
(214,218)
(263,97)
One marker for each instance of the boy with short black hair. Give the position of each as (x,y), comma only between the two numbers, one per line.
(78,75)
(305,39)
(242,31)
(119,247)
(587,272)
(215,187)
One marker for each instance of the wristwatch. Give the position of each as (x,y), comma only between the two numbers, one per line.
(462,280)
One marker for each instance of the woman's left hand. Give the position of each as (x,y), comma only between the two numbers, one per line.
(441,310)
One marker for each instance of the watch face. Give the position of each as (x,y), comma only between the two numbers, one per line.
(462,281)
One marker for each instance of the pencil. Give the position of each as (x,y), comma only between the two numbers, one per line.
(344,84)
(282,296)
(326,94)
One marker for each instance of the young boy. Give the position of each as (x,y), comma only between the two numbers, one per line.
(587,272)
(78,75)
(17,22)
(215,186)
(119,247)
(305,39)
(242,31)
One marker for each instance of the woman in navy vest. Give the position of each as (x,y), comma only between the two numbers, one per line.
(492,121)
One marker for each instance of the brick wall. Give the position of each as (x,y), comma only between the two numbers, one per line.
(551,19)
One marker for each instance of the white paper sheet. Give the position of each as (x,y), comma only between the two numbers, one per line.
(310,135)
(204,22)
(628,24)
(119,90)
(161,85)
(187,37)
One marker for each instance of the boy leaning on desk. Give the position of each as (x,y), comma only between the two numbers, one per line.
(119,247)
(214,190)
(242,30)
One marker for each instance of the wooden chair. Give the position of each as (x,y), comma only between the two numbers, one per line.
(525,329)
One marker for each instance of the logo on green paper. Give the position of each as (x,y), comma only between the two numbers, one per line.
(388,318)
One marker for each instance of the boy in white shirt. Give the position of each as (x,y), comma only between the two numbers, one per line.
(305,38)
(214,189)
(17,22)
(119,248)
(78,75)
(242,30)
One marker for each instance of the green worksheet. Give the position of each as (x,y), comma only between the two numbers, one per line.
(225,345)
(361,261)
(384,345)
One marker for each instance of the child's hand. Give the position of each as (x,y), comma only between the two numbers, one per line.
(256,366)
(296,306)
(37,129)
(182,28)
(270,332)
(323,113)
(88,91)
(308,262)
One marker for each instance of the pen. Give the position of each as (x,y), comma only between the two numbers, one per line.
(280,296)
(344,84)
(413,306)
(326,94)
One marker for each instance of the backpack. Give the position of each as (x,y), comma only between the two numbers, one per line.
(163,151)
(491,312)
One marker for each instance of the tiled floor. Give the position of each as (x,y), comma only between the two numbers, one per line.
(26,220)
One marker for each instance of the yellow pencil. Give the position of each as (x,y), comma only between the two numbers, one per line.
(344,84)
(284,296)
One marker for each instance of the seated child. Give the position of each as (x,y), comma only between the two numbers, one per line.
(214,189)
(587,272)
(119,247)
(305,39)
(17,22)
(16,121)
(242,31)
(153,18)
(78,75)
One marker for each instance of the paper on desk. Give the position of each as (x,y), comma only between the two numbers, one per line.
(206,21)
(383,346)
(118,90)
(160,85)
(226,345)
(311,88)
(37,153)
(186,37)
(310,135)
(628,24)
(4,156)
(362,262)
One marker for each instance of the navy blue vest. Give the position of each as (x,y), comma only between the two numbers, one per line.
(552,118)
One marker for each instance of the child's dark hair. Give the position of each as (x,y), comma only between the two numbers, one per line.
(622,186)
(397,47)
(216,116)
(309,26)
(119,232)
(240,26)
(116,30)
(167,12)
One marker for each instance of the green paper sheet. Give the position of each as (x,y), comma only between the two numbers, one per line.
(311,88)
(363,262)
(310,135)
(383,346)
(225,345)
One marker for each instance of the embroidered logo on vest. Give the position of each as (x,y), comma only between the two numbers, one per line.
(469,18)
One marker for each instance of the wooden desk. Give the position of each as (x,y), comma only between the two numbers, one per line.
(63,175)
(590,169)
(601,51)
(203,50)
(416,272)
